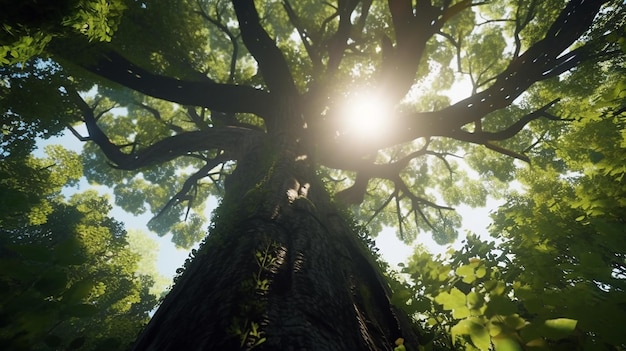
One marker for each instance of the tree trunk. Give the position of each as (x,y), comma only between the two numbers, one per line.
(281,269)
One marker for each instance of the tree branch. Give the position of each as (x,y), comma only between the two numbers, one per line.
(539,62)
(214,96)
(232,37)
(191,182)
(338,42)
(480,137)
(225,138)
(270,59)
(354,194)
(412,29)
(157,115)
(304,36)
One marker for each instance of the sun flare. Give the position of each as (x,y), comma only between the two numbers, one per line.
(364,115)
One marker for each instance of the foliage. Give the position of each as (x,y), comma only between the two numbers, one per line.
(29,26)
(556,281)
(29,184)
(25,119)
(67,272)
(408,182)
(171,114)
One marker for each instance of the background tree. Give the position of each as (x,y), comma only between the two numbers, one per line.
(67,273)
(259,116)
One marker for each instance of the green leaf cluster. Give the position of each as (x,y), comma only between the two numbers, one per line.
(68,277)
(29,26)
(556,279)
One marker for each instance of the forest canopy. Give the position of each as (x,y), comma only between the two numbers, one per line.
(400,111)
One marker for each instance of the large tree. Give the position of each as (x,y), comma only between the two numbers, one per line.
(262,93)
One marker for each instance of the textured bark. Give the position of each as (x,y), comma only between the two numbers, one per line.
(280,259)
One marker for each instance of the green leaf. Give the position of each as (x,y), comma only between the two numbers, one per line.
(506,343)
(475,300)
(476,331)
(481,272)
(460,312)
(495,287)
(515,322)
(401,297)
(554,329)
(451,300)
(467,272)
(559,328)
(480,336)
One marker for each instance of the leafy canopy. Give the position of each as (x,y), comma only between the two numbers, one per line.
(175,110)
(245,71)
(68,276)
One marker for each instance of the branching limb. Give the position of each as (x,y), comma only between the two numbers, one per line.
(338,42)
(481,136)
(190,183)
(521,21)
(488,138)
(304,36)
(354,194)
(231,36)
(417,202)
(272,63)
(196,118)
(404,189)
(413,27)
(206,93)
(223,138)
(399,217)
(380,208)
(77,134)
(226,138)
(541,61)
(157,115)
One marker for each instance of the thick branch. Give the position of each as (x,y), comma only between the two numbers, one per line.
(403,188)
(354,194)
(542,61)
(412,30)
(338,42)
(225,138)
(481,137)
(270,59)
(215,96)
(366,170)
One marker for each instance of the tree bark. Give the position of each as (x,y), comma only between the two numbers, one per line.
(281,269)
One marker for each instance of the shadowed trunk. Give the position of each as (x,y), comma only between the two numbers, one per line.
(280,270)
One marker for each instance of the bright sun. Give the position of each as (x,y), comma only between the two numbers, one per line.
(364,115)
